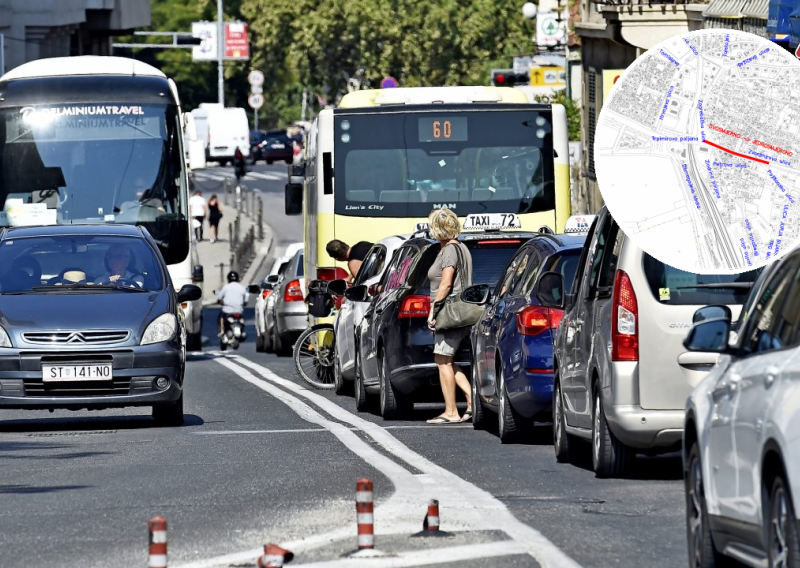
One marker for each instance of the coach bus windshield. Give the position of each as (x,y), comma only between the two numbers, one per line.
(402,164)
(95,163)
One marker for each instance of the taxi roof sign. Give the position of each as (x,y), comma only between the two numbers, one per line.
(578,224)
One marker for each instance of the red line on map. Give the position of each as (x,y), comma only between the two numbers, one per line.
(736,153)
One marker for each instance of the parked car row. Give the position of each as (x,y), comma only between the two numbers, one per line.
(624,354)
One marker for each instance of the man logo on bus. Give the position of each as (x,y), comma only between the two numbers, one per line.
(448,205)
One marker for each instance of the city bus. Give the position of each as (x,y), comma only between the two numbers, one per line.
(98,140)
(380,162)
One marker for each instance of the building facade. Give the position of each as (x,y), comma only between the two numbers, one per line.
(34,29)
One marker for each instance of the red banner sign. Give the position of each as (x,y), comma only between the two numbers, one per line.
(237,45)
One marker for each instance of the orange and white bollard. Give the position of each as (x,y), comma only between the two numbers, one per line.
(431,522)
(157,527)
(274,556)
(364,509)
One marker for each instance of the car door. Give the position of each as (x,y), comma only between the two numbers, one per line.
(371,323)
(345,331)
(722,457)
(578,390)
(565,341)
(772,340)
(508,338)
(491,326)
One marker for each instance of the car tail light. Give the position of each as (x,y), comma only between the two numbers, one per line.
(415,307)
(237,315)
(293,292)
(533,320)
(330,274)
(624,311)
(265,293)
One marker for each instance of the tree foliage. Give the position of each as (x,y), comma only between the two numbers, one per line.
(321,47)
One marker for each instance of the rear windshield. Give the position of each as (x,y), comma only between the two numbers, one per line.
(676,287)
(489,261)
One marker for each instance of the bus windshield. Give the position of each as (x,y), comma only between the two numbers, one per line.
(95,163)
(402,164)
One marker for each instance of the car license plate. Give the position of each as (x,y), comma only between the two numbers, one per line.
(482,221)
(279,146)
(55,373)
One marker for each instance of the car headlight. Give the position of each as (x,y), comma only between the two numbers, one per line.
(5,341)
(160,329)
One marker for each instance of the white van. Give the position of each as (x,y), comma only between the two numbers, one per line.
(228,129)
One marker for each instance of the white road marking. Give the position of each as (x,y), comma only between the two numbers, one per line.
(235,432)
(464,506)
(427,556)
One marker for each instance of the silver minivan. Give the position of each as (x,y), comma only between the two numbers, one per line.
(621,372)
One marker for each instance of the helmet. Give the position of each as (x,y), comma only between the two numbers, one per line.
(233,276)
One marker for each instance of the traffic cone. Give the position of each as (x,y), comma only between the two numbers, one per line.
(365,519)
(157,527)
(274,556)
(430,525)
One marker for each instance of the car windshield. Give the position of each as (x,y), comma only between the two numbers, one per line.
(403,164)
(676,287)
(78,262)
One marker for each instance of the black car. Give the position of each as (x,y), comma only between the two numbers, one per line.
(89,319)
(394,355)
(273,146)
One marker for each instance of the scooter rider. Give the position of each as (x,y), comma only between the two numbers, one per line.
(233,297)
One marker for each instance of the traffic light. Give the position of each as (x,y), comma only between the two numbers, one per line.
(507,78)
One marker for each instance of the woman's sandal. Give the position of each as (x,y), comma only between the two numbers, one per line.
(443,420)
(467,416)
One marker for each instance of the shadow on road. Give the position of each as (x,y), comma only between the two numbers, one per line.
(89,424)
(667,467)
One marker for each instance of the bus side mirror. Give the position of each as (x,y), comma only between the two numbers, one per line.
(197,273)
(293,198)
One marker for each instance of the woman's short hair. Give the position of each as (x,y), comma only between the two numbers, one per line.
(444,224)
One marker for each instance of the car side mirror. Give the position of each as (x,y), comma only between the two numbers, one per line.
(550,291)
(712,312)
(197,273)
(357,294)
(189,293)
(265,285)
(709,336)
(337,287)
(253,289)
(273,278)
(478,294)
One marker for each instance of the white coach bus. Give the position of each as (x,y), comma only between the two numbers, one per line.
(98,140)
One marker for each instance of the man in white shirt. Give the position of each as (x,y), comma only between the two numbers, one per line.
(233,297)
(197,210)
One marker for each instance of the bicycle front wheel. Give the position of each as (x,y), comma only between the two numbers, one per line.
(314,356)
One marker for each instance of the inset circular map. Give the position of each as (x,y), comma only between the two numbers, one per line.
(697,153)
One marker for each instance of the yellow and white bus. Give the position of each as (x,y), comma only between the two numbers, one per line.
(380,162)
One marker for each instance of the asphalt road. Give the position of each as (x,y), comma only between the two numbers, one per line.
(262,459)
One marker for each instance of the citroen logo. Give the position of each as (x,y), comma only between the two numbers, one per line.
(76,337)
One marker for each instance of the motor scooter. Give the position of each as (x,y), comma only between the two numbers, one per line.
(233,331)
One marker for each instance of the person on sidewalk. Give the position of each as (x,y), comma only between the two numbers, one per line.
(197,210)
(453,257)
(353,256)
(214,216)
(233,297)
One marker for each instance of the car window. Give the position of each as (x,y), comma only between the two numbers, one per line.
(372,265)
(397,272)
(596,255)
(524,284)
(300,265)
(608,269)
(765,324)
(66,260)
(672,286)
(565,263)
(490,258)
(515,269)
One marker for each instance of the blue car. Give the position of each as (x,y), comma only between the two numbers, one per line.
(512,344)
